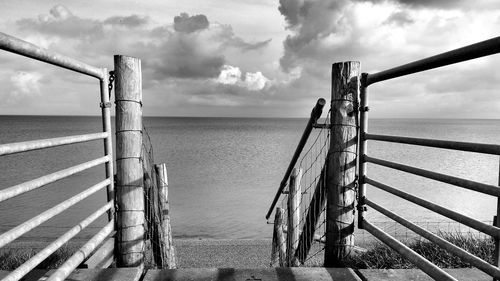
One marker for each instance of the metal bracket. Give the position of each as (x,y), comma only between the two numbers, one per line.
(105,104)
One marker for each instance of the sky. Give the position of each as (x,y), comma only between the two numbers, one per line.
(252,58)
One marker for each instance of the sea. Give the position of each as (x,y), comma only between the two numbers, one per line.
(224,172)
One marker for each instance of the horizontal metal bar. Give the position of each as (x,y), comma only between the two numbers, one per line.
(315,114)
(464,255)
(11,148)
(41,181)
(455,145)
(23,48)
(467,184)
(77,258)
(480,226)
(426,266)
(26,267)
(474,51)
(21,229)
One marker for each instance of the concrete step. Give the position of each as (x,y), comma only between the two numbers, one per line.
(106,274)
(461,274)
(260,274)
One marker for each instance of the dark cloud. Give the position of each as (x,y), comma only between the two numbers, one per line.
(399,18)
(290,9)
(127,21)
(187,24)
(226,34)
(312,22)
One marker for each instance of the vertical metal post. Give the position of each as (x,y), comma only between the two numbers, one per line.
(362,149)
(341,165)
(129,174)
(108,146)
(496,222)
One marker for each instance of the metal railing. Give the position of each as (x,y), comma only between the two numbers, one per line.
(300,216)
(474,51)
(17,46)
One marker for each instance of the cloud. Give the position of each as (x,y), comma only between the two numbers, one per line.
(24,84)
(399,18)
(231,75)
(188,24)
(190,48)
(310,22)
(431,4)
(131,21)
(61,22)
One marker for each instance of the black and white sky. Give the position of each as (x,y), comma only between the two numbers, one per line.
(252,58)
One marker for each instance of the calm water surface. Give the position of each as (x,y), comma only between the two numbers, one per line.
(224,172)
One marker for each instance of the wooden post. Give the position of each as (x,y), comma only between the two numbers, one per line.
(167,246)
(129,174)
(340,177)
(294,196)
(280,236)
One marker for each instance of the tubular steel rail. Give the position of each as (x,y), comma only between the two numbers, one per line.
(17,46)
(470,52)
(315,114)
(300,213)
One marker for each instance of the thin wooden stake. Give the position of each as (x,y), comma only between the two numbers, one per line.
(294,198)
(167,246)
(280,236)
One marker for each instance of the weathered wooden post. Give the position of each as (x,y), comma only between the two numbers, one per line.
(167,245)
(129,174)
(294,197)
(280,236)
(341,166)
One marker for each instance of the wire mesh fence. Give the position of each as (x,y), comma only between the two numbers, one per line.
(303,205)
(158,239)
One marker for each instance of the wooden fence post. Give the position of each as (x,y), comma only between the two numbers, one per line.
(167,246)
(280,236)
(293,232)
(341,166)
(129,173)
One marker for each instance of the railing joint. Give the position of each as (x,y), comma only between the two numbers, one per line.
(105,104)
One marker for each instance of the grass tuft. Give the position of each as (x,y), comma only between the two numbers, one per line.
(381,256)
(10,259)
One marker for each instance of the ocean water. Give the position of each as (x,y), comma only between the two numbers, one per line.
(224,172)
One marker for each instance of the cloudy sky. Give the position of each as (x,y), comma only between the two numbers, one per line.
(252,58)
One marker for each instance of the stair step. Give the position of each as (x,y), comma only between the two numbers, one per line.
(260,274)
